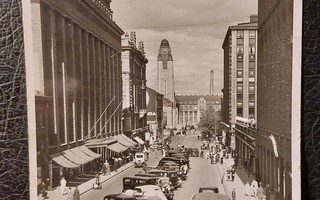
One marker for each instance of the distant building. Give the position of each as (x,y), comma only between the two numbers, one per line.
(154,114)
(134,87)
(240,88)
(240,67)
(191,106)
(165,83)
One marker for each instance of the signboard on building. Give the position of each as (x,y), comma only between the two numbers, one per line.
(274,144)
(147,136)
(233,142)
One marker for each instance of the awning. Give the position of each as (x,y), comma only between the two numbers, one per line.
(128,139)
(63,161)
(74,158)
(117,147)
(139,140)
(81,154)
(89,152)
(103,142)
(122,141)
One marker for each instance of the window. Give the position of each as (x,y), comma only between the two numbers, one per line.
(240,41)
(239,80)
(251,72)
(251,88)
(239,104)
(239,96)
(251,111)
(239,88)
(240,65)
(165,65)
(239,49)
(239,73)
(251,65)
(240,34)
(251,104)
(252,40)
(252,34)
(252,49)
(239,111)
(251,80)
(251,97)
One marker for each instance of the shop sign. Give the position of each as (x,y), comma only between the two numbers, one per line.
(233,142)
(147,136)
(274,144)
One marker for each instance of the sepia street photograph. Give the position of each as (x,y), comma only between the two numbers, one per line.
(163,100)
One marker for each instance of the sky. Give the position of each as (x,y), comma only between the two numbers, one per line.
(195,31)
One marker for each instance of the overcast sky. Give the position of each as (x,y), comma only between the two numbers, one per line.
(195,31)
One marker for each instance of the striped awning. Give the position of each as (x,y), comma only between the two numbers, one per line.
(138,140)
(117,147)
(63,161)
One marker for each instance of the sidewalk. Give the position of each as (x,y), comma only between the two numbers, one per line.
(55,194)
(241,178)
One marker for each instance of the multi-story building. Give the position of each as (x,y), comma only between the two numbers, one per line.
(275,97)
(78,83)
(240,85)
(154,114)
(192,106)
(165,83)
(134,87)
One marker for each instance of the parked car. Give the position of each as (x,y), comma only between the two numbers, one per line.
(139,159)
(119,197)
(176,160)
(130,182)
(147,191)
(193,152)
(209,196)
(209,189)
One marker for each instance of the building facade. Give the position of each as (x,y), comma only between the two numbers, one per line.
(165,83)
(275,99)
(78,83)
(191,106)
(134,87)
(155,114)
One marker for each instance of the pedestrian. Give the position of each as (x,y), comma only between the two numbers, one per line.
(107,167)
(63,185)
(233,171)
(44,190)
(268,191)
(261,193)
(222,176)
(247,186)
(233,193)
(76,194)
(69,194)
(116,164)
(104,169)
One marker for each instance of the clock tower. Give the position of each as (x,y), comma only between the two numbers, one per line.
(165,75)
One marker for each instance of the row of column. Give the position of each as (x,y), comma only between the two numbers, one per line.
(83,75)
(189,117)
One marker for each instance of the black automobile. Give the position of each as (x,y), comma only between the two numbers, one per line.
(180,161)
(193,152)
(130,182)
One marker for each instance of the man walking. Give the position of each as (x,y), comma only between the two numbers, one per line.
(76,194)
(63,185)
(233,193)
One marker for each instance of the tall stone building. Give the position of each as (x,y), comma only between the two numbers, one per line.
(165,83)
(134,87)
(275,97)
(78,84)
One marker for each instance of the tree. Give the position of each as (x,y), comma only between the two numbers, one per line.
(209,121)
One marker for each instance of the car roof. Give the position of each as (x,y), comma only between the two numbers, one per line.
(210,196)
(121,196)
(156,170)
(139,177)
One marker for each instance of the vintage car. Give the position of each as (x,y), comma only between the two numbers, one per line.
(140,159)
(209,189)
(209,196)
(193,152)
(144,191)
(165,185)
(130,182)
(174,178)
(147,175)
(174,159)
(171,166)
(119,197)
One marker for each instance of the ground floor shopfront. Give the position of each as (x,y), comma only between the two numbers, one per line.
(273,154)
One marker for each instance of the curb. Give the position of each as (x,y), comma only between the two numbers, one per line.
(224,187)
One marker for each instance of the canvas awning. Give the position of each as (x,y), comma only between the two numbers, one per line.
(139,140)
(81,154)
(122,140)
(74,158)
(87,151)
(63,161)
(117,147)
(128,139)
(97,143)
